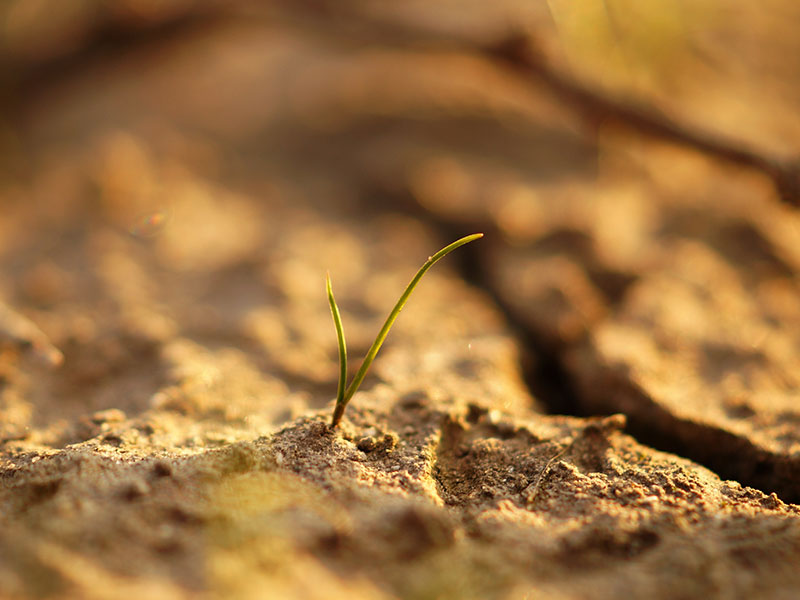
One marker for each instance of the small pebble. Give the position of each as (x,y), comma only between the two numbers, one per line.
(366,444)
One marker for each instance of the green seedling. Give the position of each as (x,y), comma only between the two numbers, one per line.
(344,392)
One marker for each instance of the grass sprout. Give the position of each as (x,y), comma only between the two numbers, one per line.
(344,393)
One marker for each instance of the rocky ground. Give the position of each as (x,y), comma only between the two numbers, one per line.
(599,399)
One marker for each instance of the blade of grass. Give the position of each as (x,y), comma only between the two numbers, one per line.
(342,400)
(337,322)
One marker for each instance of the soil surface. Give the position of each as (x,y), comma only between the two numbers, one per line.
(599,399)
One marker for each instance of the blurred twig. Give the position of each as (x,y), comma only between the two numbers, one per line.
(350,23)
(519,54)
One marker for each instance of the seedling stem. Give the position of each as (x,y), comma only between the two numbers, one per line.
(344,394)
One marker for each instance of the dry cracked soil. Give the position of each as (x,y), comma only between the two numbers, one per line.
(599,399)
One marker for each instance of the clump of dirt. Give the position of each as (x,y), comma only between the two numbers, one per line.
(409,498)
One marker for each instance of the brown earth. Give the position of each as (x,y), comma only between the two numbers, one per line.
(596,400)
